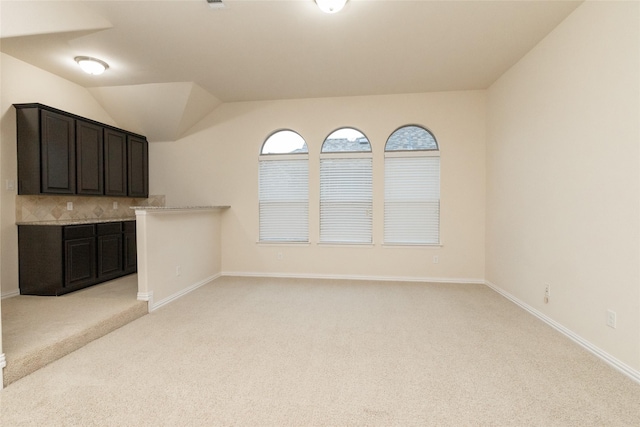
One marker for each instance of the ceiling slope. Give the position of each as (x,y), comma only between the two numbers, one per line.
(172,61)
(160,111)
(28,18)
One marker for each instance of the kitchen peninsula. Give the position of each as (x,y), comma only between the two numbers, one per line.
(179,250)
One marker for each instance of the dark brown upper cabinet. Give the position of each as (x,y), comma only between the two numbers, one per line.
(89,158)
(61,153)
(115,163)
(138,167)
(58,153)
(46,152)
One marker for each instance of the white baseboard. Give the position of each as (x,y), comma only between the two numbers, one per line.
(606,357)
(146,296)
(3,363)
(355,277)
(154,306)
(598,352)
(11,294)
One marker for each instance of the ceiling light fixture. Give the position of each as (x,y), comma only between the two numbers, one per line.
(215,4)
(331,6)
(91,65)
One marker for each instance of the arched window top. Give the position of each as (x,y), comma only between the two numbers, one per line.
(284,142)
(411,138)
(346,140)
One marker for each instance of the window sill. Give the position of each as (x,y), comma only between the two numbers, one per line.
(259,243)
(412,245)
(343,244)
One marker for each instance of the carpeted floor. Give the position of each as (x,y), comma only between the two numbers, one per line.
(285,352)
(39,330)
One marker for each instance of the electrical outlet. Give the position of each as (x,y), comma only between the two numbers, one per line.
(611,319)
(178,270)
(436,259)
(115,205)
(280,256)
(547,293)
(69,206)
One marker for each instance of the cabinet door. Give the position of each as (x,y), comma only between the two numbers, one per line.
(80,261)
(40,259)
(29,152)
(58,153)
(138,167)
(130,249)
(89,164)
(110,256)
(115,163)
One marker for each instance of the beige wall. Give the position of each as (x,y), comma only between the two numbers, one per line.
(2,355)
(23,83)
(178,251)
(561,187)
(563,193)
(217,164)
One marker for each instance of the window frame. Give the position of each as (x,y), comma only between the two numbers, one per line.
(362,178)
(303,203)
(388,239)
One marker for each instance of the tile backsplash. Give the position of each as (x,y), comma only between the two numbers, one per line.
(53,208)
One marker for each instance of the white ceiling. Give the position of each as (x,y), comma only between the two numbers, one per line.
(270,49)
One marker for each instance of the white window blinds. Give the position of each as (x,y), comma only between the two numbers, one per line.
(412,200)
(284,200)
(346,200)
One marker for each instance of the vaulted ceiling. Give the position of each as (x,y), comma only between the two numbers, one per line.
(181,59)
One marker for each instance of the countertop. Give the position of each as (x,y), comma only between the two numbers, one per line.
(62,222)
(179,208)
(76,221)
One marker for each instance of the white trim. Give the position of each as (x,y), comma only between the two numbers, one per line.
(412,245)
(343,244)
(3,363)
(276,157)
(412,153)
(154,306)
(347,155)
(606,357)
(356,277)
(145,296)
(11,294)
(282,243)
(170,210)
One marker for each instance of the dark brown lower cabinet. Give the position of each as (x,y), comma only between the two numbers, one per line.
(130,248)
(80,268)
(56,259)
(110,250)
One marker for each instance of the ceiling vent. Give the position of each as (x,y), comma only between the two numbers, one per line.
(215,4)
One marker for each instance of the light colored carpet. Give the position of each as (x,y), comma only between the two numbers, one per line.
(273,352)
(38,330)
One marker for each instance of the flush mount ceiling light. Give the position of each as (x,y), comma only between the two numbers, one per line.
(215,4)
(91,65)
(331,6)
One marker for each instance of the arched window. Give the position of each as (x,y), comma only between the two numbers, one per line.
(283,191)
(412,187)
(346,194)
